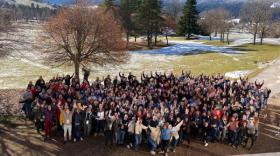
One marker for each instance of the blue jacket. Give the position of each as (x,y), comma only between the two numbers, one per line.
(166,134)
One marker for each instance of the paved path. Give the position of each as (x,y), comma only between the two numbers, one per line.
(271,76)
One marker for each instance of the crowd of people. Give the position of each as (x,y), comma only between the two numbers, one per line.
(160,110)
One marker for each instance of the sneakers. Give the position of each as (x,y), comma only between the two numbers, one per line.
(128,146)
(153,153)
(206,144)
(166,154)
(82,139)
(75,140)
(173,150)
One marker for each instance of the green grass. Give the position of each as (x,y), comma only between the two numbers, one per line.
(174,38)
(215,43)
(213,63)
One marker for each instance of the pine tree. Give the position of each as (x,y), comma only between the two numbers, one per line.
(127,8)
(108,3)
(188,22)
(149,18)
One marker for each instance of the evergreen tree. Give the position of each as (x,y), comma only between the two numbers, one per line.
(127,8)
(188,22)
(108,3)
(149,18)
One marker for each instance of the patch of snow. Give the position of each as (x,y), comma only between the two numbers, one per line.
(188,47)
(238,42)
(237,74)
(236,59)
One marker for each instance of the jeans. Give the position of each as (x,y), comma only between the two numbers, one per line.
(223,135)
(67,128)
(138,140)
(120,137)
(174,143)
(77,132)
(152,144)
(27,109)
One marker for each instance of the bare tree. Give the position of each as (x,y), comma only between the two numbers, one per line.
(274,30)
(169,25)
(256,14)
(216,20)
(81,35)
(174,8)
(207,22)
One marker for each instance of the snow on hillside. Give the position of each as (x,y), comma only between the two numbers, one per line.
(27,3)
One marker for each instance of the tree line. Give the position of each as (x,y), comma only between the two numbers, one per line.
(32,12)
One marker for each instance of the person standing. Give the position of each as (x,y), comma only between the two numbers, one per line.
(78,121)
(88,121)
(67,121)
(108,130)
(48,115)
(175,134)
(27,101)
(251,133)
(138,133)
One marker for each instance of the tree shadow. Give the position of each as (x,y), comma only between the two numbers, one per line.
(14,136)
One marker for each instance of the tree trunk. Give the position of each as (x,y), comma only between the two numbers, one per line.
(210,37)
(228,37)
(255,33)
(149,40)
(135,38)
(216,33)
(255,36)
(189,36)
(166,36)
(262,36)
(127,39)
(77,68)
(155,39)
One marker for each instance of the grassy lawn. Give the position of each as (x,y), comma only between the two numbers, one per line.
(213,63)
(215,43)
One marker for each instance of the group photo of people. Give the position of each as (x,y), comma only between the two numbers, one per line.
(157,111)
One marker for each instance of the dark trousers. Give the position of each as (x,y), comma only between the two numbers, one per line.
(77,132)
(232,137)
(109,137)
(100,126)
(184,135)
(39,125)
(252,137)
(130,138)
(164,145)
(48,128)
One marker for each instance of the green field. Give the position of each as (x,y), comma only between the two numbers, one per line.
(213,63)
